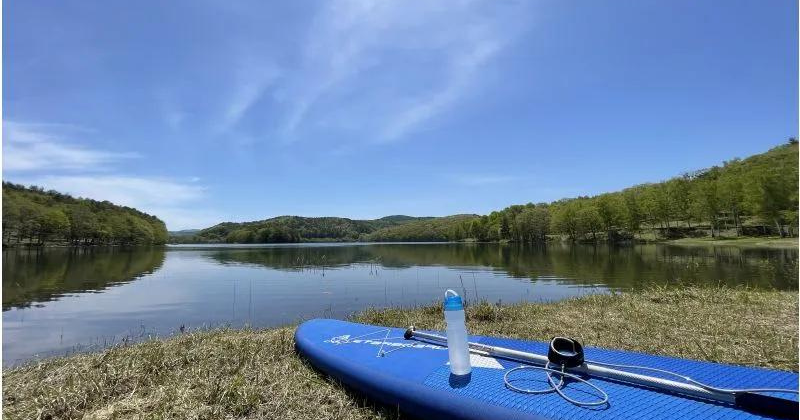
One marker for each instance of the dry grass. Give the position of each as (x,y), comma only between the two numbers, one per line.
(203,375)
(739,326)
(256,374)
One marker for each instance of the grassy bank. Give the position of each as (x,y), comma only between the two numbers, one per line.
(744,242)
(256,374)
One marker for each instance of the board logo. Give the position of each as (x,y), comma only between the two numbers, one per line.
(341,339)
(381,341)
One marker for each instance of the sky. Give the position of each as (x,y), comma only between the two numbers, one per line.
(208,111)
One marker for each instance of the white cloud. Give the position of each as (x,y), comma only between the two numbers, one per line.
(454,41)
(32,147)
(174,202)
(178,218)
(40,154)
(126,190)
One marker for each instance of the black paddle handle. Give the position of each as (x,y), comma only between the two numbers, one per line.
(768,405)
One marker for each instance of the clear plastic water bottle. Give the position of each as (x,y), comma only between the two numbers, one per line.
(457,346)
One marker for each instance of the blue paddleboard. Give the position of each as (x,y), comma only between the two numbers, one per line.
(414,376)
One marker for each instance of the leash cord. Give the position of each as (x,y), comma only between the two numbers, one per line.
(553,386)
(559,386)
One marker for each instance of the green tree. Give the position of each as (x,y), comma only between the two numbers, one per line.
(533,224)
(53,223)
(609,208)
(505,228)
(31,217)
(140,231)
(565,220)
(633,213)
(30,213)
(82,222)
(731,197)
(11,220)
(679,193)
(657,204)
(768,196)
(705,203)
(240,236)
(589,220)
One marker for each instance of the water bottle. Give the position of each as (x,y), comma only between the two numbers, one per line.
(457,346)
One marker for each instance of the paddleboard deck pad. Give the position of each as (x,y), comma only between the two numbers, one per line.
(414,376)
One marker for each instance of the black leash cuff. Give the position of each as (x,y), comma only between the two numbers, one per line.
(565,352)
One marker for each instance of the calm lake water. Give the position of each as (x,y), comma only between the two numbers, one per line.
(57,301)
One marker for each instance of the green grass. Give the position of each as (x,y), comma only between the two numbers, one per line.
(256,374)
(744,242)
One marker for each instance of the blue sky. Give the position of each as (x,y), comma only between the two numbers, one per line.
(202,112)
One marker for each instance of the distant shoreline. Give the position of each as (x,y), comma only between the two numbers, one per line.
(772,242)
(743,241)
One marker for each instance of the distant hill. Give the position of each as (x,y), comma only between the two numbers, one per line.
(298,229)
(185,236)
(34,216)
(185,232)
(399,218)
(422,230)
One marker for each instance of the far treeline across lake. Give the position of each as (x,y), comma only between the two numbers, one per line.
(756,196)
(32,216)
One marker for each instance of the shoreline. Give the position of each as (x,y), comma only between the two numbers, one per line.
(768,242)
(255,373)
(743,241)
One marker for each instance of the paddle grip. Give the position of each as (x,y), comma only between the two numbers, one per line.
(768,405)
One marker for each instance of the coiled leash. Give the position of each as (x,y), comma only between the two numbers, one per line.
(566,353)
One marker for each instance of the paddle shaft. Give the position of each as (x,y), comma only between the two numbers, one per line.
(595,370)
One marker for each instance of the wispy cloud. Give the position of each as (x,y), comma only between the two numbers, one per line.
(32,147)
(462,70)
(44,154)
(173,201)
(351,41)
(251,80)
(174,118)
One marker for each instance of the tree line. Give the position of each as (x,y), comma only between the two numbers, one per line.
(427,230)
(754,196)
(285,229)
(33,216)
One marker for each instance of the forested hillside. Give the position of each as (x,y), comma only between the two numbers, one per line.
(753,196)
(296,229)
(37,217)
(433,229)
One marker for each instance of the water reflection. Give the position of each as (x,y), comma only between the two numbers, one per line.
(157,291)
(618,267)
(37,275)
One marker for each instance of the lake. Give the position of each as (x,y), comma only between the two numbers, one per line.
(57,301)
